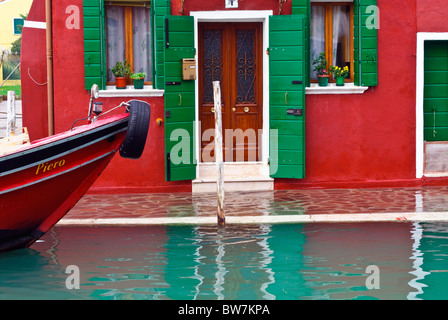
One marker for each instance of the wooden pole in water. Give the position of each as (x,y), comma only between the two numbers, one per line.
(218,152)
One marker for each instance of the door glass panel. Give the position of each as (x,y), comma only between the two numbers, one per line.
(245,66)
(212,62)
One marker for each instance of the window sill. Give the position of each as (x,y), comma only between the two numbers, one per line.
(349,88)
(147,91)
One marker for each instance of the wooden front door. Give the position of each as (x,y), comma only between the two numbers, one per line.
(232,54)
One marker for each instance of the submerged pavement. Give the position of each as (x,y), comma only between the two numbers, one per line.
(290,206)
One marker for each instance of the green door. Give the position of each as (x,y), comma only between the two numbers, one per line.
(287,78)
(435,103)
(179,100)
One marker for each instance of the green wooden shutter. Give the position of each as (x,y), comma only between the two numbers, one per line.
(159,9)
(435,100)
(94,43)
(365,44)
(179,100)
(303,7)
(287,74)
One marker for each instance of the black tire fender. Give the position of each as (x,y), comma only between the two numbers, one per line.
(138,126)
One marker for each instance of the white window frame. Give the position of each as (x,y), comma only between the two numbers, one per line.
(111,91)
(348,88)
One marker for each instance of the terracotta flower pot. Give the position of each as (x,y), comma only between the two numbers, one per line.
(120,82)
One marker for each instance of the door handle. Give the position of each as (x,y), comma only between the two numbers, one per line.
(212,110)
(246,109)
(286,97)
(180,99)
(233,109)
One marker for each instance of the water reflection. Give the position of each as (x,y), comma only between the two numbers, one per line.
(417,256)
(219,263)
(289,261)
(434,252)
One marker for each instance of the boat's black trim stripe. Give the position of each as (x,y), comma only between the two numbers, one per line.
(59,173)
(15,239)
(29,158)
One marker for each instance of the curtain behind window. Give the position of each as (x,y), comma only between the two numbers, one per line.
(317,35)
(115,38)
(341,36)
(141,37)
(142,41)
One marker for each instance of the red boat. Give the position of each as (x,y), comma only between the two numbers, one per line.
(40,182)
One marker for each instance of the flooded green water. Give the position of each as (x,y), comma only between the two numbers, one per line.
(262,262)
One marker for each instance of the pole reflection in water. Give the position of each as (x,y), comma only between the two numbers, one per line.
(284,261)
(417,256)
(226,263)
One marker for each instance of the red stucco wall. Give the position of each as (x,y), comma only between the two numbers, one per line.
(431,15)
(351,140)
(354,140)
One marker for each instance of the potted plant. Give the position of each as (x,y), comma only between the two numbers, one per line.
(321,67)
(138,79)
(121,71)
(340,74)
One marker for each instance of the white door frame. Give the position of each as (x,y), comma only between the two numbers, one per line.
(238,16)
(420,82)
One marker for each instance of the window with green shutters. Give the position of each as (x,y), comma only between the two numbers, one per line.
(132,40)
(365,29)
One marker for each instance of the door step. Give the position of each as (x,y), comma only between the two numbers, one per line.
(237,177)
(436,159)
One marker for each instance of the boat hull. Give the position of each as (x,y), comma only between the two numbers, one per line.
(40,183)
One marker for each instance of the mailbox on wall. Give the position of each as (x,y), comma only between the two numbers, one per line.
(189,69)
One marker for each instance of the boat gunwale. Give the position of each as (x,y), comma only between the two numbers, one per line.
(59,173)
(46,144)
